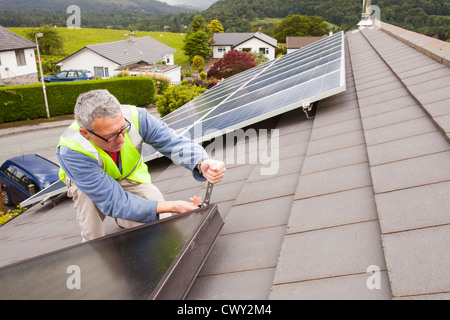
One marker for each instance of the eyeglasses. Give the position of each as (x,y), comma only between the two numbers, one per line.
(114,136)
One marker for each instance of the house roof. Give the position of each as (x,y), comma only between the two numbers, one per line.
(127,52)
(300,42)
(235,39)
(11,41)
(363,187)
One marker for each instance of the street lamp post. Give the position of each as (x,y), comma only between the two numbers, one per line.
(38,35)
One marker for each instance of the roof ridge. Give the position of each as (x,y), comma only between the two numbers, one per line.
(434,48)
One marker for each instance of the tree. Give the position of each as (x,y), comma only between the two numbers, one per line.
(299,26)
(196,44)
(51,43)
(198,24)
(233,62)
(215,26)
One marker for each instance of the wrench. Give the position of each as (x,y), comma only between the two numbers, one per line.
(205,202)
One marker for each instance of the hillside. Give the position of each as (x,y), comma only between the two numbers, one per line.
(430,17)
(151,6)
(419,15)
(116,14)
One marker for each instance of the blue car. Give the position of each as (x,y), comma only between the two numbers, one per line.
(22,176)
(70,75)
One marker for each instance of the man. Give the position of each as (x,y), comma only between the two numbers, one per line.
(101,163)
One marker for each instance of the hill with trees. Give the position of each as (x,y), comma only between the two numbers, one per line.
(430,17)
(425,16)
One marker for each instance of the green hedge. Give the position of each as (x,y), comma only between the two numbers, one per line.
(27,102)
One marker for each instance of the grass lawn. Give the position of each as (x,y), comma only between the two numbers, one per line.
(75,39)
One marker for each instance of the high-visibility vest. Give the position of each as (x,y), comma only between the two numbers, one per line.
(133,167)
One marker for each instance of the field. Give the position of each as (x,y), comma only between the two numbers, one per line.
(75,39)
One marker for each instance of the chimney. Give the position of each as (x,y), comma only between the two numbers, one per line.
(365,16)
(132,36)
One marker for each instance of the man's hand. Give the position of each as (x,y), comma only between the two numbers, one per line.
(213,170)
(178,206)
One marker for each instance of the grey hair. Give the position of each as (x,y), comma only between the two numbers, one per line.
(95,104)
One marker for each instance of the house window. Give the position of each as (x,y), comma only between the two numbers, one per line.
(221,49)
(247,50)
(102,72)
(264,50)
(20,58)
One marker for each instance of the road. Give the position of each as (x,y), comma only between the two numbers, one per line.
(42,142)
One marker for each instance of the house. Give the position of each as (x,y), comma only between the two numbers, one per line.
(246,42)
(17,59)
(294,43)
(106,60)
(359,207)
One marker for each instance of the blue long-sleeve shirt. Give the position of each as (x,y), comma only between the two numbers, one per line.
(106,193)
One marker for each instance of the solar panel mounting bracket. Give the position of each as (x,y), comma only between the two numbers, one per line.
(307,107)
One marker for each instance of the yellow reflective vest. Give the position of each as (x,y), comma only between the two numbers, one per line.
(133,167)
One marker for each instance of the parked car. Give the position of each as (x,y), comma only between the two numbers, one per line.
(22,176)
(70,75)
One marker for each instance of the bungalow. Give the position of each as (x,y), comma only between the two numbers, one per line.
(246,42)
(17,59)
(106,60)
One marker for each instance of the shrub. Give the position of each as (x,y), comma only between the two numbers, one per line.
(176,96)
(27,102)
(198,63)
(233,62)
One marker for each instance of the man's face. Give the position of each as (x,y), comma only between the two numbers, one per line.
(107,129)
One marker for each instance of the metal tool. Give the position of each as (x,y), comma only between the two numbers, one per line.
(205,201)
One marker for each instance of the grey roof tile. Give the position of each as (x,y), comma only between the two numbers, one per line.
(411,172)
(333,209)
(330,252)
(413,208)
(349,287)
(418,261)
(244,251)
(242,285)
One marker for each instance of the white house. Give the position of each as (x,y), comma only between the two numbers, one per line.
(17,59)
(246,42)
(106,60)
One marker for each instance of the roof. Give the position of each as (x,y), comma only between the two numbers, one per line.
(127,52)
(11,41)
(235,39)
(300,42)
(359,206)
